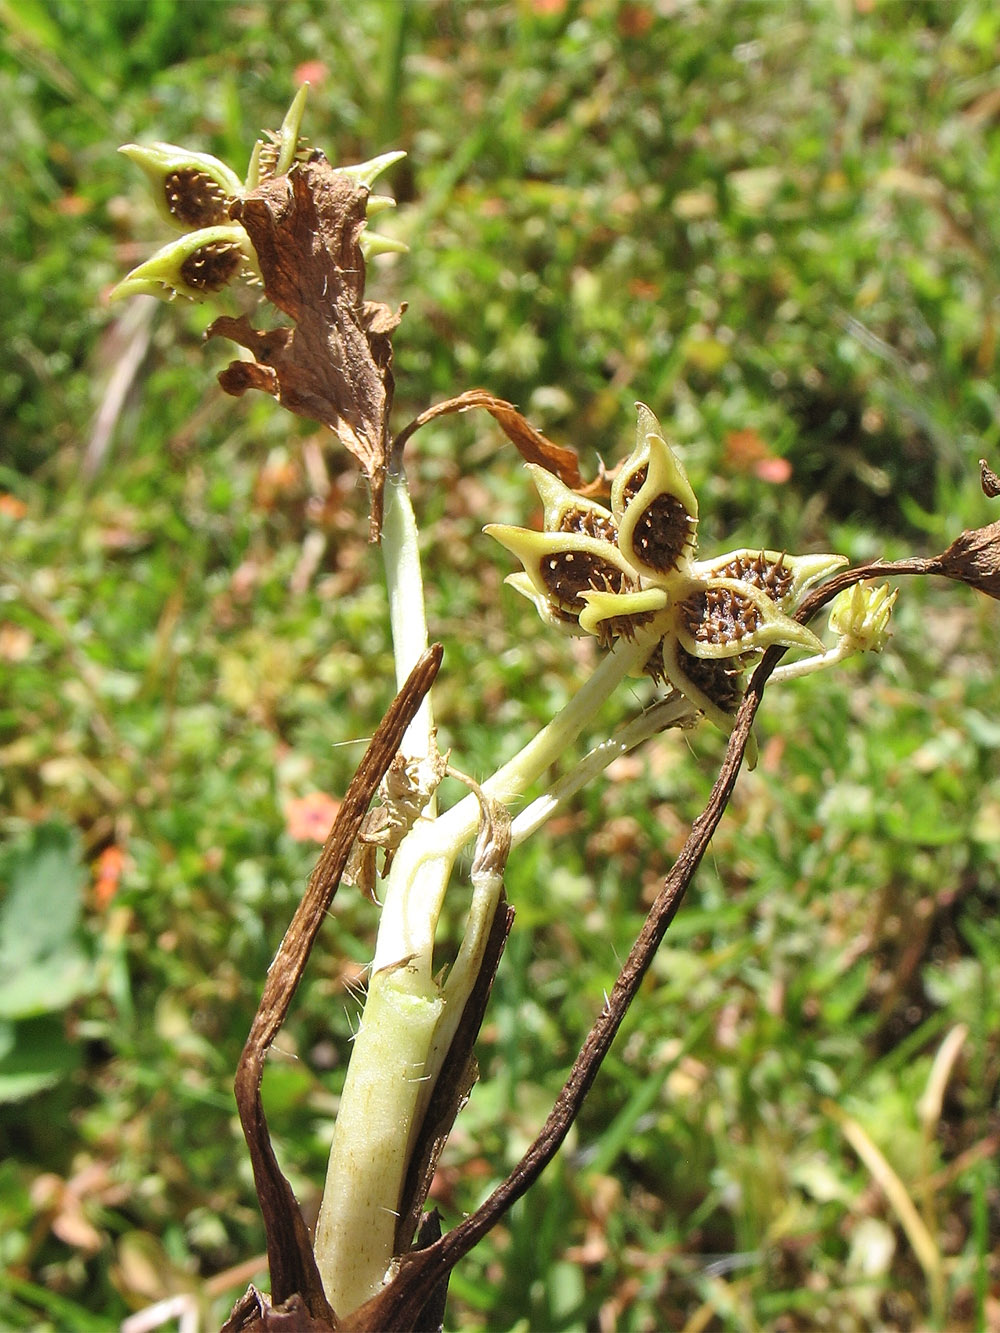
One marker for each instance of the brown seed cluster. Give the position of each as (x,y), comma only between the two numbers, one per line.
(665,529)
(715,677)
(195,199)
(720,615)
(663,533)
(634,485)
(590,523)
(773,576)
(569,573)
(211,266)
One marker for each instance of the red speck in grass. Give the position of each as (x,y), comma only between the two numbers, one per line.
(107,873)
(310,71)
(776,470)
(308,818)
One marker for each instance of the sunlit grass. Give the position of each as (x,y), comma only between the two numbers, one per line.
(777,227)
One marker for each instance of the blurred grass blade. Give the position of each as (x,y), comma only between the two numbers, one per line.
(921,1240)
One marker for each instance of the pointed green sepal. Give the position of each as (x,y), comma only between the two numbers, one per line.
(367,173)
(191,190)
(610,614)
(563,565)
(378,203)
(288,135)
(195,266)
(550,614)
(372,243)
(783,577)
(565,511)
(654,505)
(720,618)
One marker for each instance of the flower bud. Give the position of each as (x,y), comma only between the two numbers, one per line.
(860,615)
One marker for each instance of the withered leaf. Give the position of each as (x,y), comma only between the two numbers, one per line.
(531,444)
(989,479)
(974,558)
(335,365)
(254,1313)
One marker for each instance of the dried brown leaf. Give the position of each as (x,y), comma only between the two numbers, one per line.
(335,365)
(989,479)
(974,558)
(531,444)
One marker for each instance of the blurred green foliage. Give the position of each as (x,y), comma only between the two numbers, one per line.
(776,224)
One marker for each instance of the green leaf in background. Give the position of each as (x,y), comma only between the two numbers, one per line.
(34,1055)
(42,965)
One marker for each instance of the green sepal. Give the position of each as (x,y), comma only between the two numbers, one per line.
(373,243)
(735,618)
(162,163)
(602,608)
(548,559)
(367,173)
(784,578)
(173,270)
(565,511)
(654,505)
(563,621)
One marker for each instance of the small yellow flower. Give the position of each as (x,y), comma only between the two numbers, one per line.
(860,615)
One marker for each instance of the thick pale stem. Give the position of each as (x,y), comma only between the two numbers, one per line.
(420,872)
(357,1219)
(670,712)
(405,586)
(407,1018)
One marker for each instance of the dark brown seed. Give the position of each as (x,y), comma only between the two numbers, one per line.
(662,534)
(569,573)
(715,677)
(590,523)
(195,199)
(211,266)
(772,576)
(719,615)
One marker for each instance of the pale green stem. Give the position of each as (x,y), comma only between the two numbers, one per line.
(419,876)
(408,1022)
(796,670)
(356,1228)
(668,712)
(405,586)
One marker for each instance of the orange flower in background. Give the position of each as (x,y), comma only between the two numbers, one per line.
(308,818)
(11,506)
(107,872)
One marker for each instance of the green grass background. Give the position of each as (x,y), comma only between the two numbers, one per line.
(775,223)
